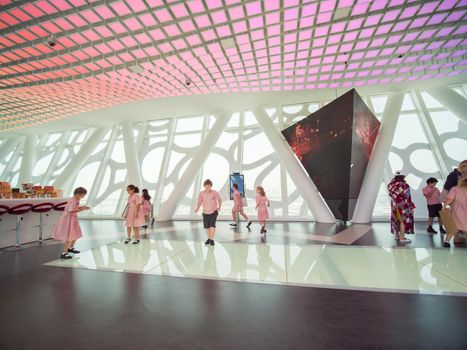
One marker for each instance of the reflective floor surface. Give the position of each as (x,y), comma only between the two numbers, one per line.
(409,270)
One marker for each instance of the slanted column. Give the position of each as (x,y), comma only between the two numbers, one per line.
(28,160)
(450,99)
(304,184)
(64,180)
(131,156)
(375,169)
(170,205)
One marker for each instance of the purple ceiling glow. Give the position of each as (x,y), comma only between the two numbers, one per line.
(116,51)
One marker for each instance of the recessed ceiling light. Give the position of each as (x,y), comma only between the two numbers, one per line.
(342,12)
(228,43)
(136,68)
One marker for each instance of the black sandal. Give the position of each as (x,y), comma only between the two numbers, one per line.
(127,240)
(136,241)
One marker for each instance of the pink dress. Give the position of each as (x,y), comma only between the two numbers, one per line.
(67,227)
(237,198)
(146,208)
(459,206)
(262,202)
(133,218)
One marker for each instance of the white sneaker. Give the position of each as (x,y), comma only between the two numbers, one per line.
(405,240)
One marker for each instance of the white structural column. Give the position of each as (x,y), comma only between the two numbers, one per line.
(28,160)
(56,157)
(436,145)
(7,146)
(375,169)
(97,184)
(162,172)
(66,177)
(451,100)
(131,156)
(170,205)
(304,184)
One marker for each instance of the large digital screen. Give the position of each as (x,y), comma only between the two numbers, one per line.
(334,145)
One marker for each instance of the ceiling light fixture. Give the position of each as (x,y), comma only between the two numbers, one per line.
(342,13)
(136,68)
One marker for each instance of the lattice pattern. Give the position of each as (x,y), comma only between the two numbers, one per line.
(115,51)
(166,146)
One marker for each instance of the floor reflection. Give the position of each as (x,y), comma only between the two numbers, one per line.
(416,270)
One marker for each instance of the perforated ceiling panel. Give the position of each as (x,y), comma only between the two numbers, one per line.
(111,52)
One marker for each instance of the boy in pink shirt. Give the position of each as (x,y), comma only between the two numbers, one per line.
(211,202)
(433,202)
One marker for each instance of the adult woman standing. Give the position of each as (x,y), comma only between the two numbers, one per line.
(457,200)
(401,207)
(453,178)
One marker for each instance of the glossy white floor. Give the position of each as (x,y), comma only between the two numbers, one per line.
(409,270)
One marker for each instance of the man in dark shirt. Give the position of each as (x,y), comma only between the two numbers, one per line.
(454,175)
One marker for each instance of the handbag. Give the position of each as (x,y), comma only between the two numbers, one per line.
(449,223)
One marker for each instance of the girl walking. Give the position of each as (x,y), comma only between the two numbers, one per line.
(262,204)
(67,228)
(134,216)
(146,202)
(211,202)
(238,207)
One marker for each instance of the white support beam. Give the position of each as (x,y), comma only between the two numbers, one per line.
(450,99)
(7,174)
(28,160)
(160,181)
(170,205)
(11,144)
(7,146)
(198,180)
(304,184)
(376,165)
(131,156)
(436,145)
(63,181)
(97,184)
(284,187)
(56,157)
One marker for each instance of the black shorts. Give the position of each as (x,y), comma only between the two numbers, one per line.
(433,210)
(209,220)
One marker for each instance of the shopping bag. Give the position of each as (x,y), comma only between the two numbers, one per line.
(449,223)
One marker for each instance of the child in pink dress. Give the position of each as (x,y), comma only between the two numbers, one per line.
(134,216)
(146,202)
(238,207)
(262,204)
(67,228)
(457,199)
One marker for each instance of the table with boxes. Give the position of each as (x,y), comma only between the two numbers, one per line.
(29,215)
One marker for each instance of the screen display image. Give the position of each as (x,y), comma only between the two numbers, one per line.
(334,145)
(240,181)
